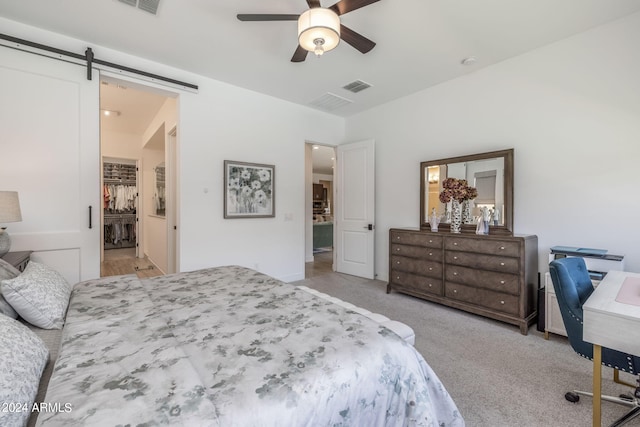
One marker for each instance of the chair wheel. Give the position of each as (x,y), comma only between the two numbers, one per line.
(572,397)
(626,396)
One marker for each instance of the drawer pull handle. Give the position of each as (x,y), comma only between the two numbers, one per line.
(455,257)
(397,277)
(502,263)
(502,302)
(398,262)
(430,241)
(502,248)
(430,268)
(455,273)
(398,237)
(455,243)
(398,249)
(430,253)
(430,285)
(455,291)
(502,282)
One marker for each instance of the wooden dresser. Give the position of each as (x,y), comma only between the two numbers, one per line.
(493,276)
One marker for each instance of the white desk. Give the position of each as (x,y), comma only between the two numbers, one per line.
(612,324)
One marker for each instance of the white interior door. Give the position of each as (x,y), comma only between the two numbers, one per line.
(49,116)
(355,208)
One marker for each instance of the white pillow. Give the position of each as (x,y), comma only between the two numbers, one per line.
(40,295)
(23,357)
(6,309)
(7,271)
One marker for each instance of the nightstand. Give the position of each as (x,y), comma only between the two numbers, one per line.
(18,259)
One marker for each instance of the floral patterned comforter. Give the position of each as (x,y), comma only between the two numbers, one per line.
(229,346)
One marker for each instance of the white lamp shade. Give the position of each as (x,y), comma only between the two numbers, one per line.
(9,207)
(319,23)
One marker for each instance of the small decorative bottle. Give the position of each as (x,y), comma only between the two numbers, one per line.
(434,220)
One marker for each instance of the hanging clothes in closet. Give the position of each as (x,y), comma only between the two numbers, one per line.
(120,198)
(120,193)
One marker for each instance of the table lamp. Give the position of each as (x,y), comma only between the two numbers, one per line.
(9,212)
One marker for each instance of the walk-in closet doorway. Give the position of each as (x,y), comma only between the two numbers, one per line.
(137,144)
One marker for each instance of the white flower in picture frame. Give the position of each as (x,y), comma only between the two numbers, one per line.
(249,190)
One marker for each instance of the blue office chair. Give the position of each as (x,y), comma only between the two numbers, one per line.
(573,286)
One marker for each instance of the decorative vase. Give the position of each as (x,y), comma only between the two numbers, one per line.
(466,212)
(456,216)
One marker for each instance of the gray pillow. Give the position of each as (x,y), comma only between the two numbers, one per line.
(23,357)
(7,271)
(40,295)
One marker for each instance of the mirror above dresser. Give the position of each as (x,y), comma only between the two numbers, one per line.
(490,173)
(493,275)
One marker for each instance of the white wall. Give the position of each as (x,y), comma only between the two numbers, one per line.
(223,122)
(570,110)
(155,227)
(227,123)
(317,177)
(154,153)
(120,145)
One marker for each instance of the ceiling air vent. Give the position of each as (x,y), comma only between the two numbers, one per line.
(356,86)
(329,102)
(150,6)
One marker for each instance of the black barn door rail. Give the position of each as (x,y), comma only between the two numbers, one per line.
(90,60)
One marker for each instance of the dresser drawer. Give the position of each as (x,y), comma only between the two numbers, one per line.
(416,238)
(501,282)
(429,254)
(413,282)
(485,298)
(411,265)
(488,246)
(484,262)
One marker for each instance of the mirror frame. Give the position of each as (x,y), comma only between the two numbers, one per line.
(507,228)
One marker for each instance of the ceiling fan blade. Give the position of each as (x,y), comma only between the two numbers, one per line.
(300,54)
(266,17)
(345,6)
(313,3)
(356,40)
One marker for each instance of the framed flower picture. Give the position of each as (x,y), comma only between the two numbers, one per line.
(249,190)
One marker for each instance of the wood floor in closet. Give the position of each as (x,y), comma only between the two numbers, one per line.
(123,261)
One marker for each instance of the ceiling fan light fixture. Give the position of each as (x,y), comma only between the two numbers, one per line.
(319,30)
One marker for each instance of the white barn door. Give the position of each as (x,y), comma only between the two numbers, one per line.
(355,209)
(50,145)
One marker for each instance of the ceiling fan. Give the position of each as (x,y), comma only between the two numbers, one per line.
(319,29)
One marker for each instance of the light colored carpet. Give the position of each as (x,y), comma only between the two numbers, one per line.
(497,376)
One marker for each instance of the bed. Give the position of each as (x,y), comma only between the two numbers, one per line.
(229,346)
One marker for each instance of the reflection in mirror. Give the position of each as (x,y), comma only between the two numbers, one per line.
(159,195)
(491,174)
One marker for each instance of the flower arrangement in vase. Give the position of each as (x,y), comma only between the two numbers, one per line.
(457,191)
